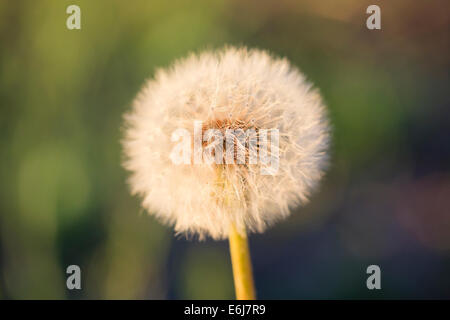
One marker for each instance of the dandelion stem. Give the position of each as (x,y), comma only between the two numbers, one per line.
(242,266)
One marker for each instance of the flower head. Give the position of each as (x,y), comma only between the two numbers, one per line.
(233,136)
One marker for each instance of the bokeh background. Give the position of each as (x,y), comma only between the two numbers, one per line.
(63,193)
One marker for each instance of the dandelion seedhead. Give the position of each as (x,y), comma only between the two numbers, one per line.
(257,145)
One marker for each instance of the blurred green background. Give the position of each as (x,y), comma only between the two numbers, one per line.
(63,195)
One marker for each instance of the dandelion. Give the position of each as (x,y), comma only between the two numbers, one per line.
(252,134)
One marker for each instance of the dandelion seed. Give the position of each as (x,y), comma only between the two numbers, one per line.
(220,200)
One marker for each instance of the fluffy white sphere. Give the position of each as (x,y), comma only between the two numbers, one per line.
(229,88)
